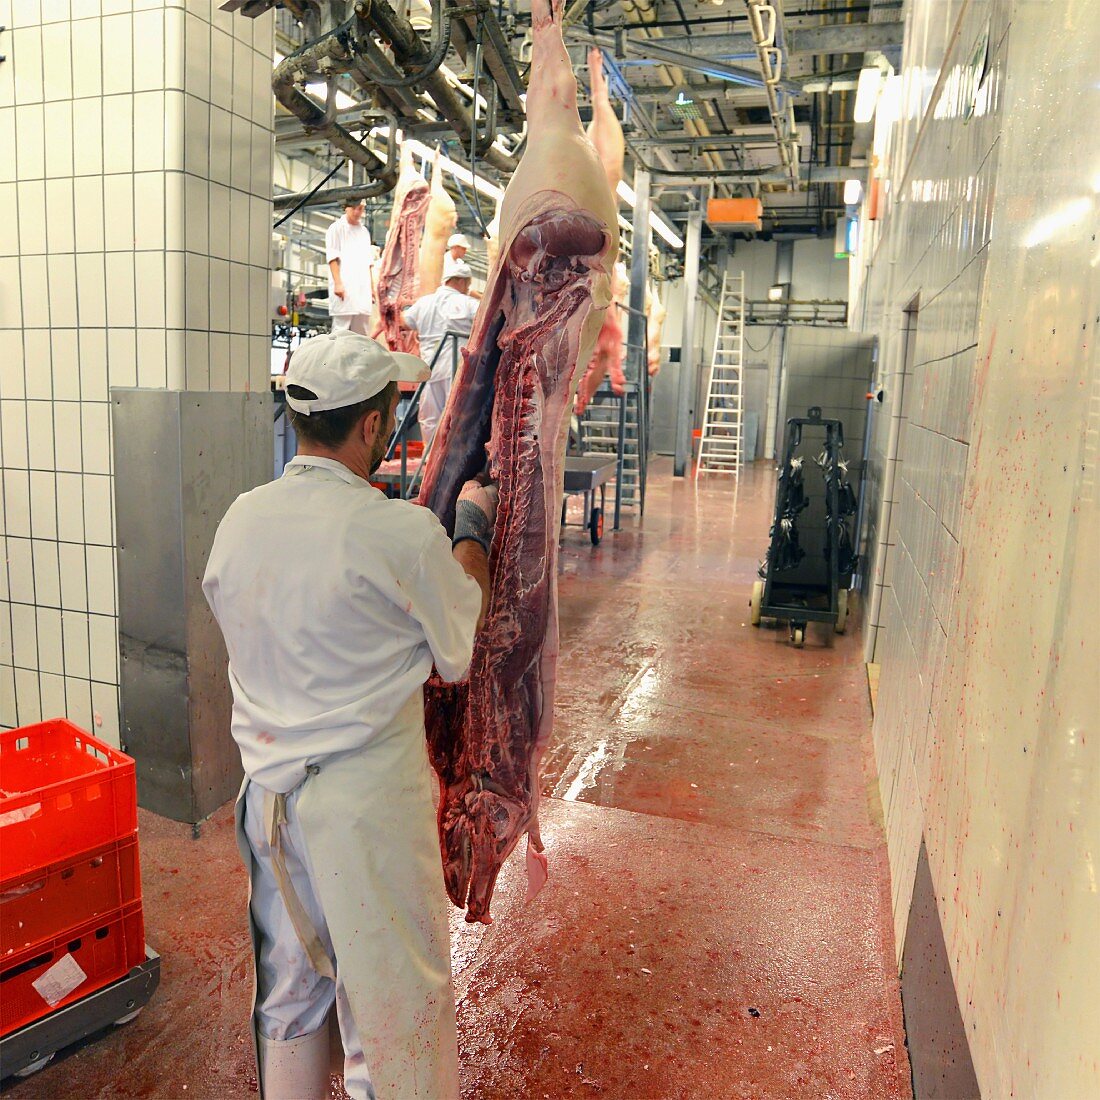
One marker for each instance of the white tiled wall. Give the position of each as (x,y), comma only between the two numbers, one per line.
(988,575)
(135,165)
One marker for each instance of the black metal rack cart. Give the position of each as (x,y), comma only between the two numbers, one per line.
(584,475)
(795,586)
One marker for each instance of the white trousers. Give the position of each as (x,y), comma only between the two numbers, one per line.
(292,999)
(362,858)
(357,322)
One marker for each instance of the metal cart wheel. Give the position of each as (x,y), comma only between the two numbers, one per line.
(35,1066)
(595,526)
(756,602)
(122,1020)
(798,635)
(841,610)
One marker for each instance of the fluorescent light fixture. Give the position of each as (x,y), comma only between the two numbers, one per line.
(852,191)
(656,222)
(463,175)
(870,80)
(775,293)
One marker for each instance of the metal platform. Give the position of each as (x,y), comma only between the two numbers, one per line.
(31,1047)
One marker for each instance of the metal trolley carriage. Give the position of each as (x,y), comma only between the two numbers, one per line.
(585,474)
(797,587)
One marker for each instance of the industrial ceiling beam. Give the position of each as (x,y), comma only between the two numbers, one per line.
(838,38)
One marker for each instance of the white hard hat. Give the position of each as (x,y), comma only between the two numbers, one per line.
(458,240)
(344,368)
(457,269)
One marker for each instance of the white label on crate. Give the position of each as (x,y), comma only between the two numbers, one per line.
(60,980)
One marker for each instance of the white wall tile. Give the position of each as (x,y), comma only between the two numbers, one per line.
(8,713)
(20,569)
(121,358)
(91,298)
(38,359)
(238,363)
(149,211)
(88,142)
(62,278)
(78,700)
(24,635)
(60,222)
(51,688)
(57,68)
(150,121)
(149,56)
(101,580)
(66,426)
(43,504)
(34,290)
(7,141)
(40,435)
(174,217)
(65,357)
(30,148)
(93,364)
(13,424)
(96,438)
(219,295)
(11,367)
(196,197)
(196,58)
(58,121)
(120,289)
(47,578)
(149,268)
(220,366)
(238,298)
(74,576)
(17,502)
(174,36)
(118,134)
(219,221)
(24,48)
(221,69)
(175,294)
(152,360)
(9,227)
(176,354)
(238,226)
(118,206)
(31,221)
(90,215)
(70,508)
(51,657)
(221,129)
(87,59)
(118,54)
(11,309)
(98,510)
(103,647)
(198,360)
(105,712)
(27,698)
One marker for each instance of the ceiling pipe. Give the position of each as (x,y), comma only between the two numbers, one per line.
(766,27)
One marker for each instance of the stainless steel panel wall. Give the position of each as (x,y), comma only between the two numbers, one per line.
(181,458)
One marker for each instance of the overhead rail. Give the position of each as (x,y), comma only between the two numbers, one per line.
(768,34)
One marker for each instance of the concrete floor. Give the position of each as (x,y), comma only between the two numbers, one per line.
(717,921)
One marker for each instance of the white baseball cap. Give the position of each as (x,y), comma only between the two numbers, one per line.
(343,368)
(459,240)
(457,269)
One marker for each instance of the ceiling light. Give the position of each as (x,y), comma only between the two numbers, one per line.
(775,293)
(852,191)
(656,222)
(870,80)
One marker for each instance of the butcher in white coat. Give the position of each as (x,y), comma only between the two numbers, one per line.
(335,603)
(349,255)
(448,309)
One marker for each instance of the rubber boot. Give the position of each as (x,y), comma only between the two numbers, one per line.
(294,1069)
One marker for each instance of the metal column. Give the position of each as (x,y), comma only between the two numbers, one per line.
(639,261)
(784,275)
(688,366)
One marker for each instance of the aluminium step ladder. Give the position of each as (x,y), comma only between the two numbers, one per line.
(720,443)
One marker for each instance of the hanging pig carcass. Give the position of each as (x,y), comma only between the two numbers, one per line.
(539,317)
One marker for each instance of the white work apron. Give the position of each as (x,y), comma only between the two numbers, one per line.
(369,827)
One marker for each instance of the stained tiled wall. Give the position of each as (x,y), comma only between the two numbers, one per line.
(981,736)
(135,173)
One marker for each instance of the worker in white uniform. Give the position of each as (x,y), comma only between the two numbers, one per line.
(448,309)
(349,255)
(335,603)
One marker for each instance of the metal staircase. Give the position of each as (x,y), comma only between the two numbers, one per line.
(720,443)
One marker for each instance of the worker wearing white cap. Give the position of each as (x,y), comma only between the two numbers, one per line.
(450,309)
(457,246)
(335,603)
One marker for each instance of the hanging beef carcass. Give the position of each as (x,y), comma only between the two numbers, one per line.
(439,224)
(399,271)
(542,309)
(606,135)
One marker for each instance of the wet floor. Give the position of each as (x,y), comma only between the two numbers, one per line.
(717,920)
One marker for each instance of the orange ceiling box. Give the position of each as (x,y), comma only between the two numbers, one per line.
(735,214)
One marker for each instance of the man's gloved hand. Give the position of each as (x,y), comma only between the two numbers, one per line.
(475,514)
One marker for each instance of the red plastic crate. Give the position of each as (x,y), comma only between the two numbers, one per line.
(62,791)
(40,905)
(106,949)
